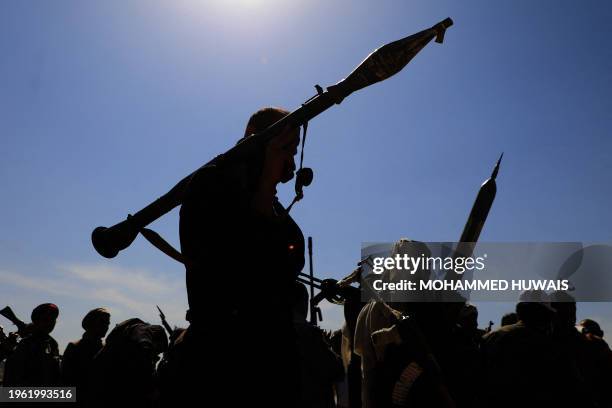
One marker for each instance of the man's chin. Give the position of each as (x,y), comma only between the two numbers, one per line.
(287,178)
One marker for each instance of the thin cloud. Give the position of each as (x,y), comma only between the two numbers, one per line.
(37,284)
(136,279)
(133,289)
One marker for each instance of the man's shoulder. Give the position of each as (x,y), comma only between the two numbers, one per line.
(505,332)
(31,344)
(72,346)
(206,177)
(27,342)
(213,184)
(372,317)
(23,349)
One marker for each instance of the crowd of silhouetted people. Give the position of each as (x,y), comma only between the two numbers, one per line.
(386,355)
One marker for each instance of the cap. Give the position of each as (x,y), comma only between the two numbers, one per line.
(92,316)
(44,309)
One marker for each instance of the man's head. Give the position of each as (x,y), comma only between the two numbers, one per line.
(468,317)
(44,317)
(96,322)
(591,327)
(405,302)
(266,117)
(534,310)
(508,319)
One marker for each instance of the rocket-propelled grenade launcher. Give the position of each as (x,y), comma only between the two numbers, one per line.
(482,206)
(476,219)
(381,64)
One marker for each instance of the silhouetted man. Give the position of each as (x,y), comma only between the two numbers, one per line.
(36,361)
(78,357)
(468,320)
(243,252)
(521,363)
(123,372)
(7,343)
(413,353)
(586,358)
(600,356)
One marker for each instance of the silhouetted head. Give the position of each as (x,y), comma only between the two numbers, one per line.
(96,322)
(264,118)
(406,302)
(565,306)
(534,310)
(468,317)
(508,319)
(591,327)
(300,301)
(260,121)
(44,317)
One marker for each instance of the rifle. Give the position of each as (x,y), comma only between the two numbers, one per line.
(162,316)
(381,64)
(22,328)
(315,311)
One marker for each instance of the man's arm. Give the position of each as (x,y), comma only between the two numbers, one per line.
(16,367)
(68,365)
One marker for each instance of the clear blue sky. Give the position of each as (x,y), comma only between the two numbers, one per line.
(105,105)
